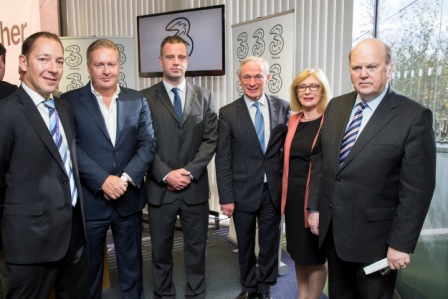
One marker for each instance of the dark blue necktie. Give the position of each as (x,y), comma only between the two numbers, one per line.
(177,104)
(352,132)
(62,148)
(259,125)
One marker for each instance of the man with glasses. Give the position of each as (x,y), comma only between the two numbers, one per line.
(249,161)
(374,179)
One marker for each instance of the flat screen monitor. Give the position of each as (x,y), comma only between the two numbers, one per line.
(202,29)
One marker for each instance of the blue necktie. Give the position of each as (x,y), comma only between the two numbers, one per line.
(352,132)
(57,137)
(259,124)
(177,104)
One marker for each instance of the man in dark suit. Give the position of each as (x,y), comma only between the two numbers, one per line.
(42,222)
(185,124)
(249,173)
(372,196)
(5,88)
(116,146)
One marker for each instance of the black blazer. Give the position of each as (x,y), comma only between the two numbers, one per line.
(98,158)
(381,194)
(34,189)
(6,89)
(190,146)
(240,162)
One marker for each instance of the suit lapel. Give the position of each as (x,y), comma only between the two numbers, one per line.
(273,115)
(122,113)
(191,96)
(30,111)
(380,118)
(163,97)
(247,124)
(91,104)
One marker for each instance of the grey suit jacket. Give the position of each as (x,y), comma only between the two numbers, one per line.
(189,145)
(34,189)
(381,194)
(240,162)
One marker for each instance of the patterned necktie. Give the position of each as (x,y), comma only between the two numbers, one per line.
(58,139)
(352,132)
(259,124)
(177,104)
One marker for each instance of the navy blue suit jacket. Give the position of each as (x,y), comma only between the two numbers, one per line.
(98,158)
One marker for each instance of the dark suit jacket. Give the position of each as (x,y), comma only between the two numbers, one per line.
(34,188)
(381,194)
(98,158)
(192,147)
(6,89)
(240,162)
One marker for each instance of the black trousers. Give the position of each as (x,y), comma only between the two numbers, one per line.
(68,276)
(268,218)
(347,280)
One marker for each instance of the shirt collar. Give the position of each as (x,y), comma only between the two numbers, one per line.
(373,103)
(37,98)
(168,86)
(250,102)
(98,95)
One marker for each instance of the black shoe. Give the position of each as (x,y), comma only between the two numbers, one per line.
(265,296)
(247,295)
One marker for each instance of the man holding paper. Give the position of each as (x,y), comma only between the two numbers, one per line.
(373,177)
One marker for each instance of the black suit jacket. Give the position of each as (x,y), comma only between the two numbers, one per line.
(6,89)
(34,188)
(98,157)
(381,194)
(191,146)
(240,162)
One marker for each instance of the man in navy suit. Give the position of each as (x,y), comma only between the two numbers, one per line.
(249,173)
(116,145)
(372,202)
(42,220)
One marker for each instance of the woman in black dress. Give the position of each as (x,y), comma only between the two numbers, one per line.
(310,93)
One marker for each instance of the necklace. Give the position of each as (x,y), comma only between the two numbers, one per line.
(312,118)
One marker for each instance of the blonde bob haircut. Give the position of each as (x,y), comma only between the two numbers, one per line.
(323,82)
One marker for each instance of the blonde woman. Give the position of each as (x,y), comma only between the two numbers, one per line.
(310,93)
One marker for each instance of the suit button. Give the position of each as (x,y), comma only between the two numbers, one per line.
(67,205)
(65,181)
(330,205)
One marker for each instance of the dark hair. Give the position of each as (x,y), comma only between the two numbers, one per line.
(172,40)
(30,41)
(3,52)
(101,43)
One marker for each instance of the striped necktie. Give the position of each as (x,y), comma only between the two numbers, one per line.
(351,133)
(259,124)
(62,148)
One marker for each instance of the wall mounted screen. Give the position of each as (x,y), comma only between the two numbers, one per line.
(203,30)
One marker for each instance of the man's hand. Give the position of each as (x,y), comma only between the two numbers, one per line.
(114,187)
(178,179)
(397,259)
(228,209)
(313,222)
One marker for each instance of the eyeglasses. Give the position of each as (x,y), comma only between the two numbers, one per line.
(312,87)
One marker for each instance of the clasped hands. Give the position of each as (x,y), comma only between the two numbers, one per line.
(114,187)
(178,179)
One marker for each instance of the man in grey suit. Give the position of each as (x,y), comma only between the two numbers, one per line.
(249,161)
(373,189)
(185,125)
